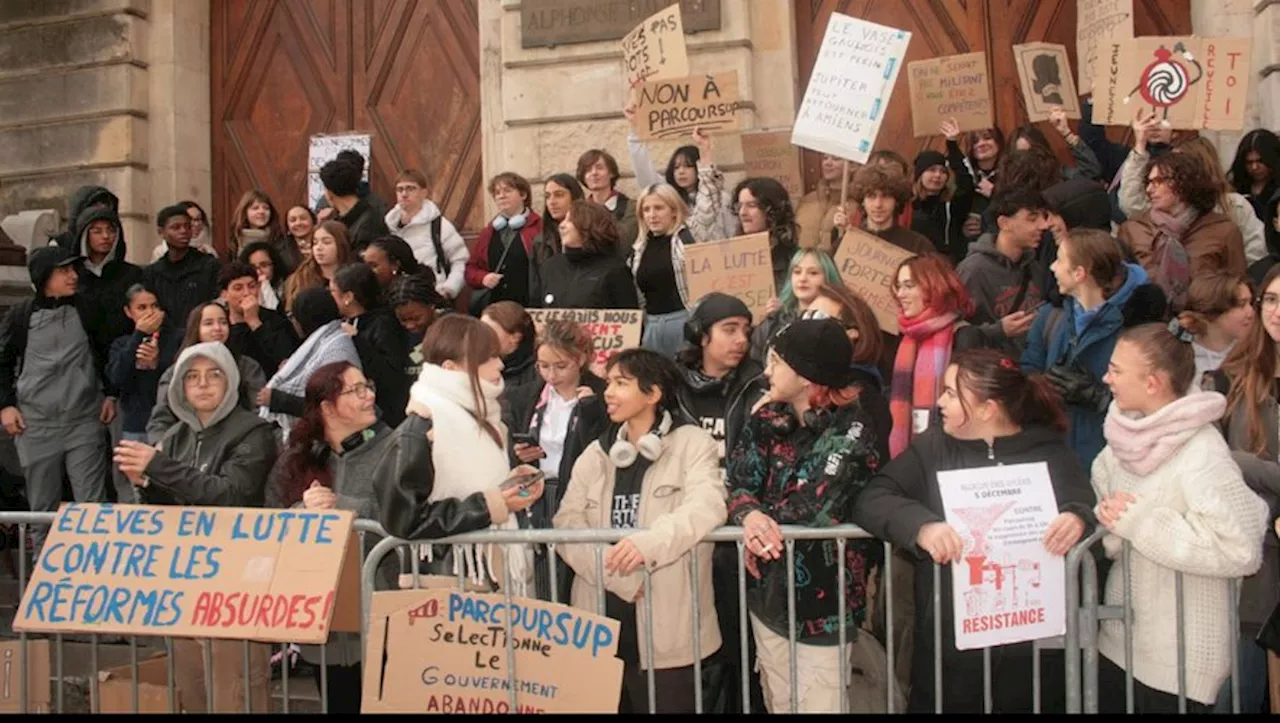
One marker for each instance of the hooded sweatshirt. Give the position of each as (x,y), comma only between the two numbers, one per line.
(221,462)
(418,233)
(84,198)
(995,282)
(102,286)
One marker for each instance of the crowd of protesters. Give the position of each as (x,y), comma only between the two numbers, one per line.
(1118,322)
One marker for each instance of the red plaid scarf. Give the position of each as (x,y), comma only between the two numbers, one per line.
(918,370)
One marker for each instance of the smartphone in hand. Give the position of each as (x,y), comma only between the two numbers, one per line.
(523,480)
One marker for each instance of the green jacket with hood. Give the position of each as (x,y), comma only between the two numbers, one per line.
(224,463)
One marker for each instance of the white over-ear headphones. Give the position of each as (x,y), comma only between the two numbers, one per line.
(624,454)
(516,222)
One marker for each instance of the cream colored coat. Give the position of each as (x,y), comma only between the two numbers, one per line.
(682,498)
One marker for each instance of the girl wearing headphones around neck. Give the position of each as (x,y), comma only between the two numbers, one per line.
(500,265)
(651,472)
(801,460)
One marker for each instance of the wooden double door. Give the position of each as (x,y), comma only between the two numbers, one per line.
(949,27)
(405,71)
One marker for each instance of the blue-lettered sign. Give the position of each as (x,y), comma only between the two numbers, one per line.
(198,572)
(445,651)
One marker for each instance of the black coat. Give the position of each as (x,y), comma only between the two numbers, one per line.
(383,346)
(591,281)
(270,344)
(103,291)
(184,285)
(904,497)
(736,394)
(405,478)
(364,224)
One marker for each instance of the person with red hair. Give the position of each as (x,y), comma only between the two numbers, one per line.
(932,307)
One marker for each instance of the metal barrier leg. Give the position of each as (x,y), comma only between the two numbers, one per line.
(791,623)
(93,676)
(24,704)
(841,606)
(697,628)
(171,674)
(742,626)
(206,652)
(648,642)
(890,645)
(61,679)
(284,675)
(937,637)
(133,665)
(509,624)
(1233,623)
(986,680)
(1127,573)
(1180,615)
(248,683)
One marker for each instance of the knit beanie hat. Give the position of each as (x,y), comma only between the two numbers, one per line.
(716,307)
(817,349)
(927,160)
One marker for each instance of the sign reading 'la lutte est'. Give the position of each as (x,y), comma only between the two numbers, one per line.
(545,23)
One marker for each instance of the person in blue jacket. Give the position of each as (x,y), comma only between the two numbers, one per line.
(1072,344)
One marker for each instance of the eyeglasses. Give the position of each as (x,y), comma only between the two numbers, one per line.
(213,376)
(1269,302)
(1157,181)
(363,390)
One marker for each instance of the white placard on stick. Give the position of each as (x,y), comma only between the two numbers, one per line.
(850,88)
(1006,586)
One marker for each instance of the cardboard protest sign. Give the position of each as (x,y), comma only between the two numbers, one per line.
(956,86)
(1192,83)
(1097,21)
(444,651)
(739,267)
(867,265)
(769,154)
(850,87)
(612,330)
(37,662)
(193,572)
(1045,74)
(655,49)
(675,108)
(1007,588)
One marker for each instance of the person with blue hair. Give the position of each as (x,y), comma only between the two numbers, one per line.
(810,269)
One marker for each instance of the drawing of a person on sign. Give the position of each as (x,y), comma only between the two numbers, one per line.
(1047,82)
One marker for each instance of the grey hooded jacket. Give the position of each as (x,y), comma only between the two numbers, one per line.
(224,463)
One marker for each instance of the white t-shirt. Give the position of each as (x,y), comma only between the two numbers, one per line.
(554,430)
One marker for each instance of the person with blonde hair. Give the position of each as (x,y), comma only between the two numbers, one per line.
(1134,200)
(657,265)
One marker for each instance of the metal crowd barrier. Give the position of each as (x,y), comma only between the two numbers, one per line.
(1080,641)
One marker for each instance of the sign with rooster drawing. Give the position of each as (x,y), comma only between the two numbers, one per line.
(1190,83)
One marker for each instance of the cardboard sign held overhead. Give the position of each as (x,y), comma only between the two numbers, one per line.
(1192,83)
(676,108)
(867,264)
(850,87)
(1098,21)
(444,651)
(956,86)
(192,572)
(655,50)
(612,330)
(1045,74)
(740,267)
(769,154)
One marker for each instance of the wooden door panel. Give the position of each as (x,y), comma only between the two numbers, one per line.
(946,27)
(418,92)
(405,71)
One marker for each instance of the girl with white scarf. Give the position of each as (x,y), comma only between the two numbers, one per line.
(445,475)
(1167,484)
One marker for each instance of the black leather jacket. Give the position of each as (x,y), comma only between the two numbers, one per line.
(404,479)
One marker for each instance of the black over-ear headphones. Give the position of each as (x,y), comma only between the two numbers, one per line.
(693,329)
(815,419)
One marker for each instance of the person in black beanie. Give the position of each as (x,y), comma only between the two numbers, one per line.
(802,459)
(938,212)
(719,386)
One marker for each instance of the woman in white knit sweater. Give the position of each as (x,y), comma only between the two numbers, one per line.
(1167,484)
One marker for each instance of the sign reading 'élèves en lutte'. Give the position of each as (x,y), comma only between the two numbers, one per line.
(545,23)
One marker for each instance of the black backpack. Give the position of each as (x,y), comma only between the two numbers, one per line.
(442,261)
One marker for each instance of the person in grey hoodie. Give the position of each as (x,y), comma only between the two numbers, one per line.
(54,399)
(1000,270)
(219,454)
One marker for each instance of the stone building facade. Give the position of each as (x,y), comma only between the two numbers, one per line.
(117,93)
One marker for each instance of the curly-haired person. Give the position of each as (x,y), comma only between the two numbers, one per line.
(1181,236)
